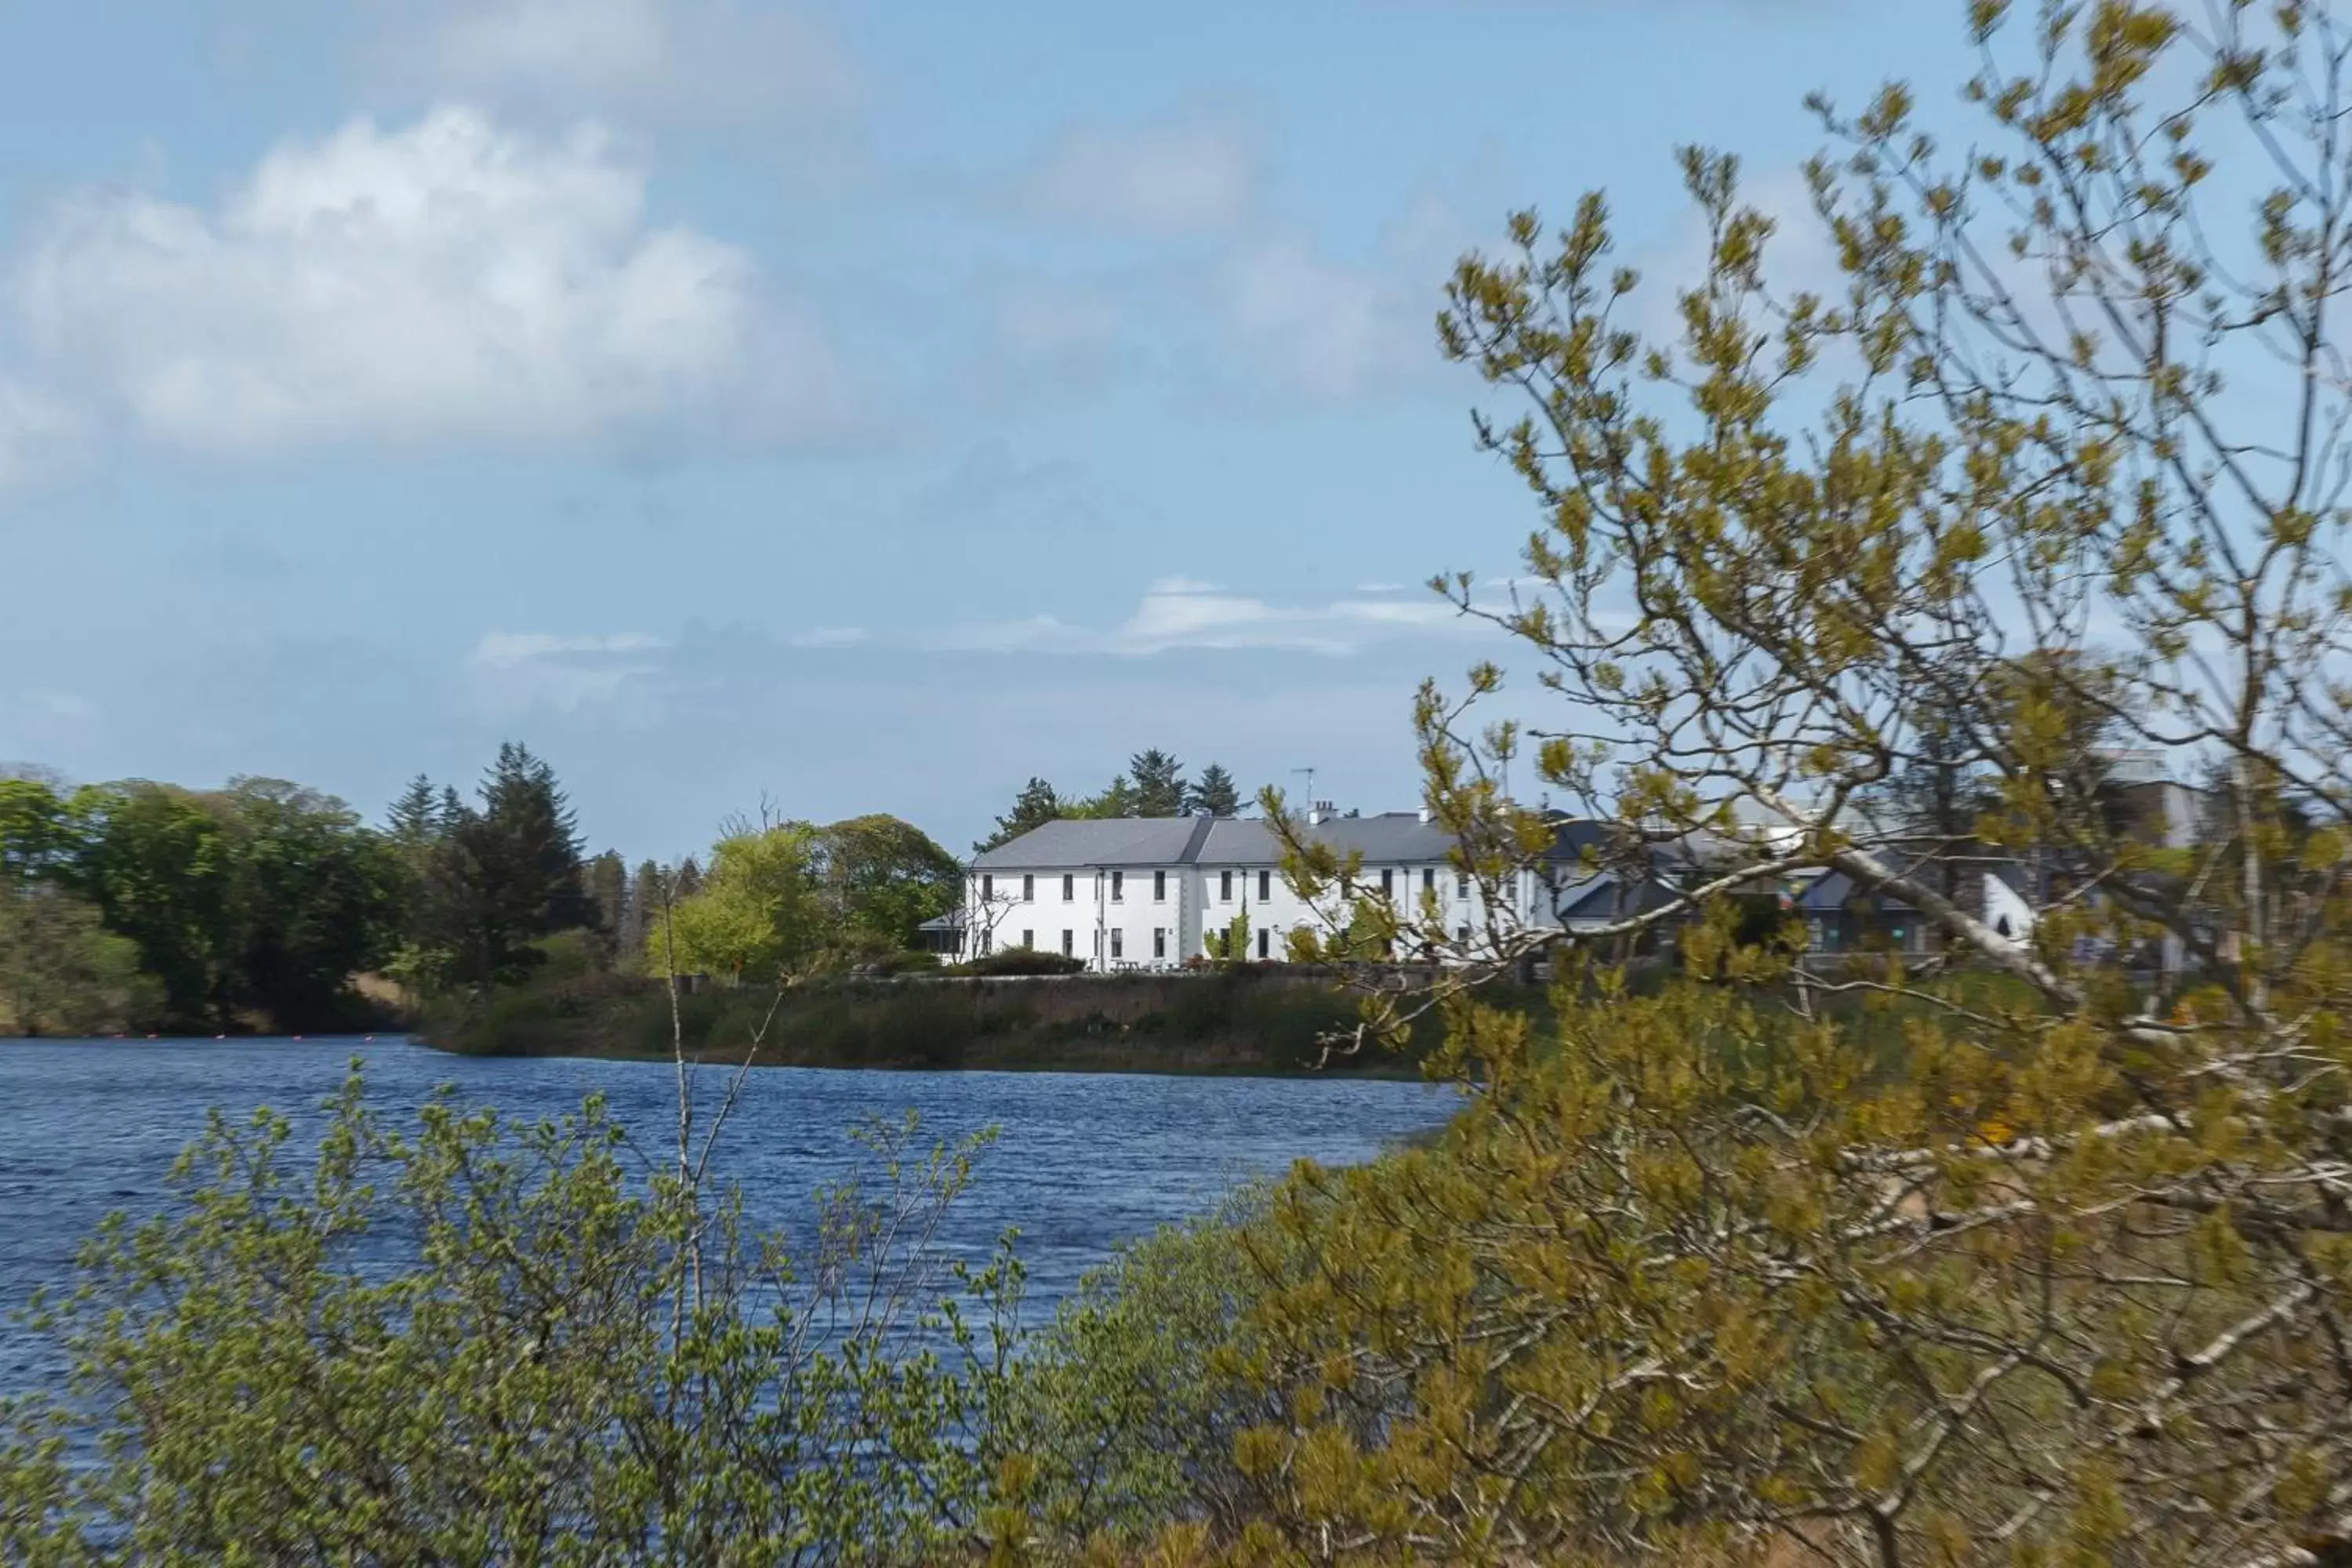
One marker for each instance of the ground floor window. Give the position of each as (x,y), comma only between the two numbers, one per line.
(1028,939)
(1264,938)
(1069,943)
(1159,942)
(1117,944)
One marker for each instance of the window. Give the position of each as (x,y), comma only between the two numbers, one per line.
(1069,943)
(1461,884)
(1118,886)
(1069,887)
(1429,879)
(1160,887)
(985,941)
(1388,883)
(1028,887)
(1029,938)
(987,887)
(1159,942)
(1262,935)
(1225,886)
(1265,886)
(1118,943)
(1462,936)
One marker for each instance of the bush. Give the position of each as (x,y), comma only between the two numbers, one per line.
(1022,961)
(562,1362)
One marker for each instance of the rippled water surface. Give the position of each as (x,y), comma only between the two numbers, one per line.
(1081,1163)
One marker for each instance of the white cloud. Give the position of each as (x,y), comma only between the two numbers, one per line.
(1179,613)
(450,282)
(1327,329)
(1166,179)
(710,61)
(512,671)
(41,436)
(1039,321)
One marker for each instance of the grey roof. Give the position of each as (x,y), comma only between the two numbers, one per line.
(1075,843)
(1833,891)
(1395,837)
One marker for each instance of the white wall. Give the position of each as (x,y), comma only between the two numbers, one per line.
(1193,902)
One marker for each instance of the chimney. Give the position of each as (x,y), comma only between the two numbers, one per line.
(1425,812)
(1319,813)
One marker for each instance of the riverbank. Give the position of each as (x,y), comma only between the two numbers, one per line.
(1254,1022)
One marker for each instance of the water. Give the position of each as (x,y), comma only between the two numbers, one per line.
(1082,1161)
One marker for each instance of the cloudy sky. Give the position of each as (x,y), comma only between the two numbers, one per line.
(867,405)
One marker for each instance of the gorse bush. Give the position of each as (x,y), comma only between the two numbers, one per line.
(483,1343)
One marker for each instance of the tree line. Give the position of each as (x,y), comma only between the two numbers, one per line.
(142,906)
(1153,786)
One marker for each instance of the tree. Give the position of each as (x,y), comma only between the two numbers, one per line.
(416,820)
(37,831)
(1119,798)
(1213,793)
(759,915)
(156,861)
(647,896)
(2032,1259)
(1034,806)
(62,971)
(882,879)
(607,880)
(501,877)
(1159,784)
(311,897)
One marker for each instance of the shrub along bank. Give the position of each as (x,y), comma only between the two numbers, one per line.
(1244,1020)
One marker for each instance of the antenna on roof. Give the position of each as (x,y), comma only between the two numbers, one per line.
(1310,783)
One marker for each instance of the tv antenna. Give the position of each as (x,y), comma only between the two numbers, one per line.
(1310,784)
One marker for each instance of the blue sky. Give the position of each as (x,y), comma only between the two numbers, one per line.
(863,406)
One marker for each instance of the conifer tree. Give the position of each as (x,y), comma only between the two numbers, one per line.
(1158,782)
(1213,793)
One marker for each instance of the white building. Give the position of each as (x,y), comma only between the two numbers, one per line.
(1147,892)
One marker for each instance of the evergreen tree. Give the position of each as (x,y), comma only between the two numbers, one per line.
(608,891)
(644,906)
(1034,806)
(688,882)
(1159,784)
(1213,793)
(414,821)
(501,877)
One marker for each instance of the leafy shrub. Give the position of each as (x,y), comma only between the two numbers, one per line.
(563,1361)
(1022,961)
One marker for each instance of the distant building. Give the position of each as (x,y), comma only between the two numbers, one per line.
(1150,892)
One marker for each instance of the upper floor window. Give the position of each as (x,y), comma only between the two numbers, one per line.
(1429,879)
(987,887)
(1461,884)
(1118,886)
(1028,887)
(1069,887)
(1264,888)
(1225,886)
(1388,883)
(1159,887)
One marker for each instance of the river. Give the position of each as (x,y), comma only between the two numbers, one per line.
(1081,1163)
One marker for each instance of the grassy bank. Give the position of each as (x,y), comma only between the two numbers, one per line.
(1243,1021)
